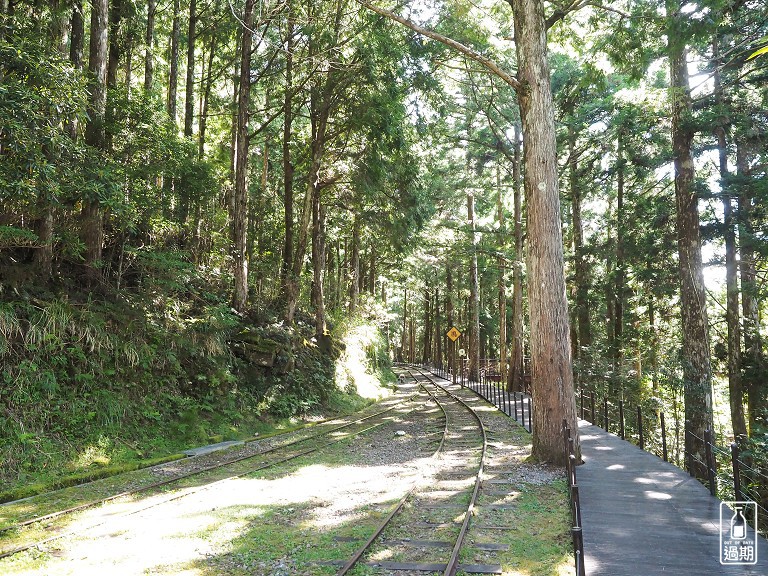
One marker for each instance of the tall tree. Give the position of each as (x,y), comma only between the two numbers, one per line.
(189,96)
(697,370)
(516,357)
(551,370)
(239,214)
(92,226)
(474,293)
(732,313)
(149,47)
(173,64)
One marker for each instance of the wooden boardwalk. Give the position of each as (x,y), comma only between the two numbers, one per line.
(642,515)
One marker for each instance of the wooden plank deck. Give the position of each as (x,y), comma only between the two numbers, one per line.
(642,515)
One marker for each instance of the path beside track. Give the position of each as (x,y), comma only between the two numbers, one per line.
(642,515)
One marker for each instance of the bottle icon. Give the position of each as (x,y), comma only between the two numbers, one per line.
(738,524)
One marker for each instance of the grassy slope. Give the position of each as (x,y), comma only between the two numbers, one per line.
(92,387)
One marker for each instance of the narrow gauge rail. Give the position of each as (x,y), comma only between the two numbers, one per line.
(280,454)
(465,440)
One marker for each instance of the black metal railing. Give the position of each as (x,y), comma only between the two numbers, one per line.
(490,386)
(573,496)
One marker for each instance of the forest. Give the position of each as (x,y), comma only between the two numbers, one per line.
(208,206)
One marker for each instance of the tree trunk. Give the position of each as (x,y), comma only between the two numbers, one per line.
(474,296)
(189,96)
(354,283)
(372,271)
(620,276)
(516,379)
(450,345)
(404,336)
(320,108)
(697,372)
(754,360)
(735,389)
(206,95)
(149,61)
(501,262)
(239,214)
(581,274)
(426,354)
(43,256)
(173,72)
(287,264)
(551,370)
(439,331)
(115,17)
(76,43)
(91,229)
(318,261)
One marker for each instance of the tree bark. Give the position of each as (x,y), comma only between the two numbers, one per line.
(149,40)
(551,370)
(239,215)
(516,379)
(501,263)
(735,385)
(189,96)
(44,222)
(450,345)
(754,359)
(91,228)
(173,71)
(697,371)
(354,265)
(550,332)
(287,264)
(581,275)
(76,43)
(318,261)
(426,353)
(404,336)
(620,275)
(206,96)
(474,296)
(320,109)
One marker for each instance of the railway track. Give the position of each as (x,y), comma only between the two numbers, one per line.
(438,526)
(178,480)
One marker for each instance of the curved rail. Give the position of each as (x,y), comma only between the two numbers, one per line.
(453,562)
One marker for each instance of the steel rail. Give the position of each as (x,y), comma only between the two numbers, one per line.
(167,481)
(358,554)
(452,564)
(17,550)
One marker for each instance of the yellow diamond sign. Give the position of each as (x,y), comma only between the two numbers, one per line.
(453,334)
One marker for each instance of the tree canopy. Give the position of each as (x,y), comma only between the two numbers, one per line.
(579,188)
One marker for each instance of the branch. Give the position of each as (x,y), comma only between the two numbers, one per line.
(458,46)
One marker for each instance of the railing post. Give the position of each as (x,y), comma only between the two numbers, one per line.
(606,423)
(566,448)
(530,416)
(663,437)
(621,419)
(710,461)
(640,427)
(592,402)
(582,404)
(736,471)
